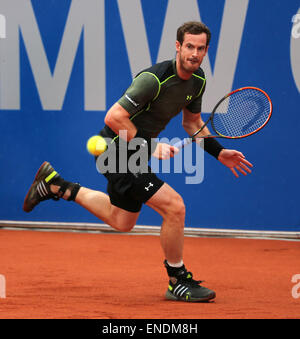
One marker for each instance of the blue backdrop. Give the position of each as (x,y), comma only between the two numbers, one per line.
(63,63)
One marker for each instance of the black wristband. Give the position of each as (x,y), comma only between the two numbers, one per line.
(213,147)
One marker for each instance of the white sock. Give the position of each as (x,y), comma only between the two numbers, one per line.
(177,265)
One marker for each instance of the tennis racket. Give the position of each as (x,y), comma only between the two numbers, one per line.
(246,111)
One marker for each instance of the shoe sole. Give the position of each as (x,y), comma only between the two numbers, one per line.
(188,298)
(42,173)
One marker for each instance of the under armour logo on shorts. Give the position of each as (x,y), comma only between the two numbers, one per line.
(148,188)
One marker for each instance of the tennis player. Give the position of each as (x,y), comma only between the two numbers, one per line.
(155,96)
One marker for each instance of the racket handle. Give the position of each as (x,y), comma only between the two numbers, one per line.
(182,143)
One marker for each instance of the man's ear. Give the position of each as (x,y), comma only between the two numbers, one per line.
(178,45)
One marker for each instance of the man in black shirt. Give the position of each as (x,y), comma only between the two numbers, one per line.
(155,96)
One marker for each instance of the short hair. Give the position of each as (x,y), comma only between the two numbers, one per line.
(193,27)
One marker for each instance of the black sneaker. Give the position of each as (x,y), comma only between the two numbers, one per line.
(40,188)
(184,288)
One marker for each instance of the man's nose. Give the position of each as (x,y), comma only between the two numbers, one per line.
(195,53)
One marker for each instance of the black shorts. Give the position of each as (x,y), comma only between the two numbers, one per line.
(130,191)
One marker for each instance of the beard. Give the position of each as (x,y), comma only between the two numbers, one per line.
(188,66)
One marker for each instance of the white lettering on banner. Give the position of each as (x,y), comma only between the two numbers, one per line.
(135,35)
(84,15)
(220,81)
(2,27)
(295,50)
(87,16)
(296,27)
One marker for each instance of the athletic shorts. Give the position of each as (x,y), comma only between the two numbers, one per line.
(130,191)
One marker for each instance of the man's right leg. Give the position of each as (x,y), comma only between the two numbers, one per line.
(49,185)
(98,203)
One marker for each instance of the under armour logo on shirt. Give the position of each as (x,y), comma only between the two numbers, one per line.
(148,188)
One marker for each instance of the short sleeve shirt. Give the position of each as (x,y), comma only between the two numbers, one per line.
(158,94)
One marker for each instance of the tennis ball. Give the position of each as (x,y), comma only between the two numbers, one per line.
(96,145)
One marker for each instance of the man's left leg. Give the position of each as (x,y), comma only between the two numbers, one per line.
(169,204)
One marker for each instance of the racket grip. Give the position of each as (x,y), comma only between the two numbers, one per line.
(182,143)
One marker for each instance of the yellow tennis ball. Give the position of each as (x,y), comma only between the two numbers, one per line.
(96,145)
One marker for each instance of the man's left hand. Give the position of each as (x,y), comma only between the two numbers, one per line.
(235,161)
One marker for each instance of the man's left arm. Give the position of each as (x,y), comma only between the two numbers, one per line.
(232,159)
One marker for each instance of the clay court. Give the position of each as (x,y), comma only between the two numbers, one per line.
(121,276)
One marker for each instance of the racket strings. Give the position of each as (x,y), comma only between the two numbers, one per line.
(246,111)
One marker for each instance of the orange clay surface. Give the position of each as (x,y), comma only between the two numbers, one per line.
(118,276)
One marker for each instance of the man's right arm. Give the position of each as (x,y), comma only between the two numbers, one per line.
(118,119)
(143,90)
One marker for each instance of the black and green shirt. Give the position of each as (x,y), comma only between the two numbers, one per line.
(158,94)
